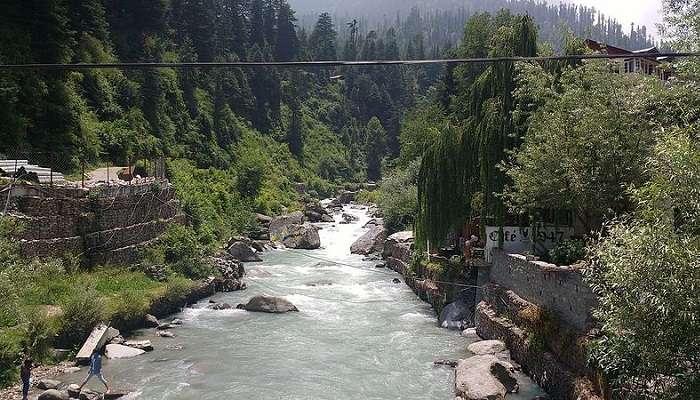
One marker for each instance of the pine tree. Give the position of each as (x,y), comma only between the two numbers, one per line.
(200,24)
(270,8)
(295,132)
(287,43)
(350,49)
(89,16)
(323,39)
(257,24)
(375,149)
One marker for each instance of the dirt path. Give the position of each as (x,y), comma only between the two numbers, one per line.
(103,175)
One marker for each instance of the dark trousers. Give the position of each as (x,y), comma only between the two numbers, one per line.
(25,389)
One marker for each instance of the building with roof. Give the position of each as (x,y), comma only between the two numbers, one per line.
(651,65)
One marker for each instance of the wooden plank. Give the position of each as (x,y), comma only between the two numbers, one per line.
(96,340)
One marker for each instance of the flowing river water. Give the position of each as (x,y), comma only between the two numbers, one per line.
(361,337)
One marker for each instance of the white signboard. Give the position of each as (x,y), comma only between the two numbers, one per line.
(518,239)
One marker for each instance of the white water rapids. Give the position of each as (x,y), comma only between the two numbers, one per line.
(361,337)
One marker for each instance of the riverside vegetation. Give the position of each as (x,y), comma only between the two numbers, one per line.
(239,140)
(619,151)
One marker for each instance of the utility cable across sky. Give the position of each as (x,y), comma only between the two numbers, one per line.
(331,64)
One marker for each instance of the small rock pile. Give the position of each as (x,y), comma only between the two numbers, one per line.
(314,213)
(232,272)
(349,219)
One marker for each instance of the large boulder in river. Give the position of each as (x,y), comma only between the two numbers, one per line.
(243,249)
(370,242)
(399,246)
(455,315)
(53,394)
(117,351)
(302,237)
(484,378)
(268,304)
(280,226)
(347,197)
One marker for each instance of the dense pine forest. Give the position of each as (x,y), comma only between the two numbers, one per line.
(439,24)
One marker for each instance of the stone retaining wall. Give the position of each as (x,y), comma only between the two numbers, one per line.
(544,314)
(544,367)
(103,225)
(560,290)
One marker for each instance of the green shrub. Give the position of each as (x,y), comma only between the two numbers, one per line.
(366,197)
(10,356)
(568,252)
(398,197)
(37,333)
(180,250)
(81,312)
(436,268)
(176,290)
(9,306)
(128,309)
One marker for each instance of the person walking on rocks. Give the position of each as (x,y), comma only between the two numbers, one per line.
(26,375)
(95,370)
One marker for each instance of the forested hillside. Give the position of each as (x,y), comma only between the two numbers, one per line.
(440,23)
(299,125)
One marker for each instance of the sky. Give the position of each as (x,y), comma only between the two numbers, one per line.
(645,12)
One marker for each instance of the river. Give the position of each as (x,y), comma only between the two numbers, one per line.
(361,337)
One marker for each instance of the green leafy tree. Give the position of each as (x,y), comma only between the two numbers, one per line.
(464,163)
(682,23)
(586,144)
(646,273)
(398,197)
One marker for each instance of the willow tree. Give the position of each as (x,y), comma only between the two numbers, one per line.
(460,175)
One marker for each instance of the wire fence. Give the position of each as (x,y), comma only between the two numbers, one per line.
(46,168)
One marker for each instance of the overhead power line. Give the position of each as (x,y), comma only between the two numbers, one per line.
(321,64)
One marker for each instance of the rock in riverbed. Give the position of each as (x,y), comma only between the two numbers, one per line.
(243,250)
(485,347)
(280,226)
(220,306)
(349,219)
(471,333)
(144,345)
(302,237)
(53,394)
(268,304)
(370,242)
(151,321)
(484,378)
(116,351)
(48,384)
(455,315)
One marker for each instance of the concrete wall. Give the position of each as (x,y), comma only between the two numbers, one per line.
(103,225)
(560,290)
